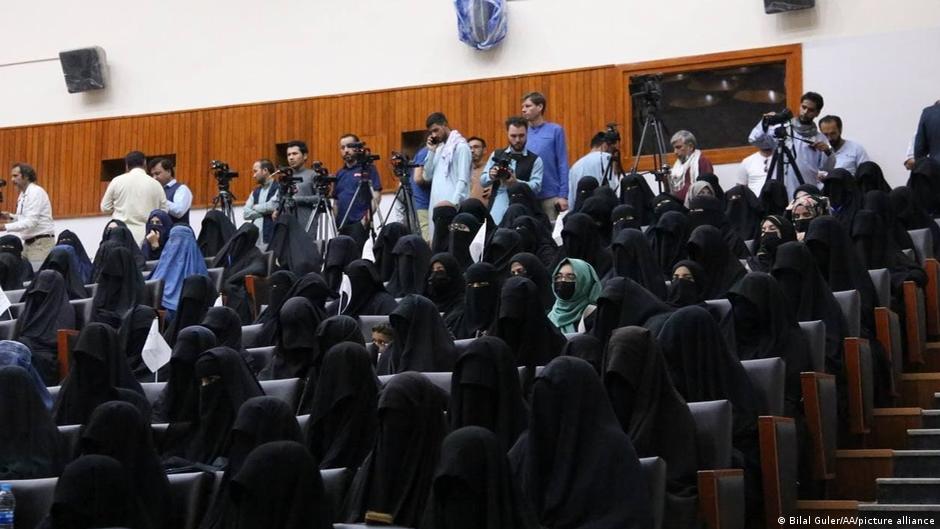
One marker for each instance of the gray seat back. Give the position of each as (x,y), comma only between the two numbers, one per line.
(767,376)
(70,434)
(152,390)
(335,484)
(7,329)
(216,275)
(815,334)
(260,357)
(461,345)
(154,293)
(83,309)
(851,305)
(302,421)
(654,470)
(713,433)
(881,278)
(250,334)
(367,322)
(923,244)
(150,265)
(15,296)
(33,500)
(189,497)
(287,389)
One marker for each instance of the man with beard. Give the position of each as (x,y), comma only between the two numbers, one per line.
(849,154)
(477,163)
(262,201)
(813,153)
(690,162)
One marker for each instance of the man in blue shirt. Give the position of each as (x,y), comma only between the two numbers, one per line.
(547,140)
(421,191)
(352,190)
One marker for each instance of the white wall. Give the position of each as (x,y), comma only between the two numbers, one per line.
(874,61)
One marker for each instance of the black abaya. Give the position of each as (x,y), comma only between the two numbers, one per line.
(196,297)
(634,259)
(216,230)
(240,257)
(422,341)
(179,401)
(535,271)
(668,239)
(94,491)
(369,296)
(521,322)
(29,440)
(413,257)
(480,300)
(707,247)
(47,309)
(582,241)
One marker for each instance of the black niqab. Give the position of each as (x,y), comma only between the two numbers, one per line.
(624,302)
(445,288)
(216,230)
(634,259)
(870,177)
(502,246)
(707,211)
(582,241)
(29,440)
(538,274)
(588,348)
(636,192)
(575,464)
(707,247)
(912,217)
(413,256)
(132,335)
(340,251)
(924,184)
(844,197)
(536,239)
(224,324)
(11,244)
(296,353)
(522,323)
(422,341)
(369,296)
(120,288)
(584,190)
(47,309)
(94,491)
(442,216)
(385,262)
(480,300)
(463,229)
(668,239)
(292,247)
(338,329)
(196,297)
(240,257)
(743,211)
(766,247)
(60,260)
(684,292)
(179,401)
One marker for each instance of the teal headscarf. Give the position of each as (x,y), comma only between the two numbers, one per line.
(566,313)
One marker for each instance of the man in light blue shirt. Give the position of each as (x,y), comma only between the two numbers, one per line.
(547,140)
(447,166)
(524,166)
(593,164)
(849,154)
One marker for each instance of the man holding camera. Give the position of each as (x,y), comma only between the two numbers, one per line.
(131,196)
(357,188)
(512,165)
(262,201)
(447,166)
(306,197)
(809,146)
(179,198)
(32,221)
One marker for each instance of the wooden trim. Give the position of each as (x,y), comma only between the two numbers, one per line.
(770,467)
(709,501)
(853,371)
(63,351)
(897,412)
(915,350)
(812,407)
(865,453)
(932,296)
(790,54)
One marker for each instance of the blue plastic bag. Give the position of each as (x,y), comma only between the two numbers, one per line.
(481,23)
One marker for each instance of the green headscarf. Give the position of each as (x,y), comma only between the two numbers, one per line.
(566,313)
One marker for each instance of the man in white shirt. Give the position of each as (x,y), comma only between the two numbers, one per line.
(33,219)
(262,202)
(594,164)
(131,196)
(753,172)
(849,154)
(179,198)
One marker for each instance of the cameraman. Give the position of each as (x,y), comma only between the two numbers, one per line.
(306,197)
(262,201)
(809,146)
(593,164)
(524,166)
(351,195)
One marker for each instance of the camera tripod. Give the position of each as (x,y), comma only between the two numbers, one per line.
(224,201)
(363,188)
(321,220)
(783,156)
(404,197)
(655,123)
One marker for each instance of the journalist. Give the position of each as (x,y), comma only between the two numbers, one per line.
(262,201)
(358,188)
(511,165)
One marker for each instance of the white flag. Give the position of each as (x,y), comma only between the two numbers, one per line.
(4,302)
(156,352)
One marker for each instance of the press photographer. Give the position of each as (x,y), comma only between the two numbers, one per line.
(358,188)
(262,202)
(307,195)
(511,165)
(800,135)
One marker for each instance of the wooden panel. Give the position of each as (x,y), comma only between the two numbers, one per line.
(857,470)
(67,156)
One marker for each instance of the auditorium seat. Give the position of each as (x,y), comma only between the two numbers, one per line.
(815,334)
(461,345)
(654,470)
(779,467)
(367,322)
(189,497)
(850,303)
(33,500)
(767,378)
(152,390)
(820,406)
(7,329)
(440,379)
(70,434)
(154,293)
(915,320)
(721,488)
(16,309)
(858,366)
(250,334)
(83,311)
(151,265)
(91,289)
(269,258)
(336,483)
(287,389)
(15,296)
(216,275)
(260,357)
(302,421)
(923,244)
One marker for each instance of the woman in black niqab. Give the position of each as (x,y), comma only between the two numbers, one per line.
(877,249)
(116,429)
(385,262)
(536,239)
(61,260)
(870,177)
(120,288)
(99,369)
(260,420)
(413,257)
(240,257)
(47,309)
(422,341)
(29,440)
(445,286)
(583,191)
(775,230)
(588,348)
(743,211)
(520,193)
(911,216)
(668,239)
(504,244)
(337,329)
(292,248)
(462,231)
(624,302)
(216,230)
(879,202)
(634,259)
(623,217)
(665,202)
(13,245)
(582,241)
(369,296)
(687,287)
(117,231)
(94,491)
(636,192)
(132,335)
(529,266)
(344,416)
(474,488)
(707,247)
(481,297)
(773,197)
(478,209)
(706,211)
(295,355)
(179,401)
(196,297)
(575,464)
(392,485)
(84,263)
(655,416)
(845,199)
(340,251)
(924,184)
(599,209)
(279,487)
(313,287)
(485,391)
(11,275)
(224,324)
(442,216)
(521,322)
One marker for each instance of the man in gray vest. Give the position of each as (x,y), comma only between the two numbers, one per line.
(525,166)
(179,198)
(306,197)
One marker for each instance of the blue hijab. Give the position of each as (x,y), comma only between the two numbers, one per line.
(181,258)
(166,223)
(16,354)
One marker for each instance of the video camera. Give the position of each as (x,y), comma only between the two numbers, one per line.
(321,177)
(401,163)
(502,161)
(780,118)
(222,173)
(363,155)
(648,89)
(612,135)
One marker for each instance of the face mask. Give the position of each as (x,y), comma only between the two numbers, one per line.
(683,292)
(769,242)
(564,289)
(437,282)
(801,225)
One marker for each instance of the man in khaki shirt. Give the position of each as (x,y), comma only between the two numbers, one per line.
(131,196)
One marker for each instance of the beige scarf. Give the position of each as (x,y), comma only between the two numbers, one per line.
(680,168)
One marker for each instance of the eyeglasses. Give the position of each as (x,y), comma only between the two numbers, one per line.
(566,277)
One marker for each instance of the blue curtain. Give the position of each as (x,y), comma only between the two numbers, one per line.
(481,23)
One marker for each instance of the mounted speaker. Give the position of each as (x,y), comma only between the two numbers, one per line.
(781,6)
(84,69)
